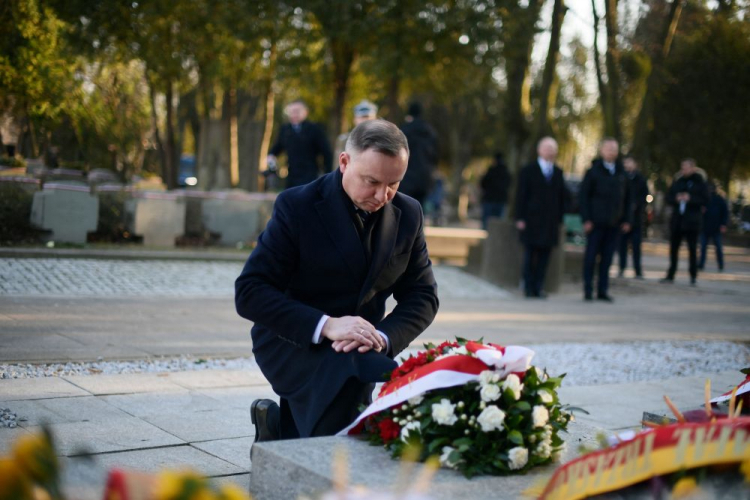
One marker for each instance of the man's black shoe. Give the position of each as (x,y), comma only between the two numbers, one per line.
(668,281)
(541,295)
(264,413)
(692,282)
(588,297)
(639,276)
(605,298)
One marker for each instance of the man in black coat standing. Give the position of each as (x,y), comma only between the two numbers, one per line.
(540,206)
(688,196)
(638,193)
(304,142)
(423,155)
(714,225)
(494,184)
(316,286)
(605,211)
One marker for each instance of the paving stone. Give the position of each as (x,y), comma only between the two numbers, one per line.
(38,388)
(205,425)
(235,451)
(119,434)
(33,413)
(218,378)
(172,457)
(288,469)
(241,397)
(130,383)
(240,480)
(174,403)
(8,437)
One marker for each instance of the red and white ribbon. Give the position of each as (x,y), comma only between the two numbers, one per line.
(450,371)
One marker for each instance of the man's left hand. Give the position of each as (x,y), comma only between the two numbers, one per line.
(625,227)
(350,345)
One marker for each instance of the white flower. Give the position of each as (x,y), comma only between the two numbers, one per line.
(540,415)
(545,396)
(491,418)
(411,426)
(458,350)
(544,449)
(486,377)
(490,392)
(513,383)
(517,458)
(415,400)
(540,373)
(444,413)
(558,453)
(445,458)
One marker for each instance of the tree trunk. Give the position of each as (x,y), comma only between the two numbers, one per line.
(612,61)
(548,76)
(343,59)
(393,110)
(171,147)
(157,135)
(603,97)
(644,123)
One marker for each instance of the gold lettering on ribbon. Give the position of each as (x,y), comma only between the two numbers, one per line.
(721,446)
(648,448)
(740,443)
(700,443)
(683,440)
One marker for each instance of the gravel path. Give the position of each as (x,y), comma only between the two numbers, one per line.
(164,278)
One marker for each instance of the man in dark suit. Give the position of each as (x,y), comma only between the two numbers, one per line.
(638,193)
(317,282)
(304,142)
(540,206)
(688,196)
(605,211)
(423,156)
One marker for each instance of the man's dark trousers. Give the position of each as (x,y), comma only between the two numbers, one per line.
(634,237)
(601,241)
(716,238)
(675,240)
(534,268)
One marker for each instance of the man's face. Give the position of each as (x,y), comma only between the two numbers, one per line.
(296,113)
(547,150)
(609,151)
(371,179)
(630,165)
(687,168)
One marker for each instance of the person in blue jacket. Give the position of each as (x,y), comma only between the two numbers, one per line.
(714,225)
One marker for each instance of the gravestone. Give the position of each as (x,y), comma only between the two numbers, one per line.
(238,217)
(158,217)
(502,257)
(289,469)
(68,211)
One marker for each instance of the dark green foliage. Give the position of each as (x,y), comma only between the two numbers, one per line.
(15,211)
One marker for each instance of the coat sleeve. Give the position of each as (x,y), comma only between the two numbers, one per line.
(723,212)
(324,149)
(278,146)
(629,212)
(260,289)
(584,196)
(699,196)
(564,196)
(416,297)
(672,194)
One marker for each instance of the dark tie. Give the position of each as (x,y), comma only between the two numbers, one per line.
(362,214)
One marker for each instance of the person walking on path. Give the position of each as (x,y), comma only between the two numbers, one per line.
(494,184)
(364,110)
(304,143)
(714,225)
(423,156)
(639,192)
(316,287)
(605,211)
(540,206)
(688,196)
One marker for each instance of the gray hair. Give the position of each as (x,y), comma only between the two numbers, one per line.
(379,135)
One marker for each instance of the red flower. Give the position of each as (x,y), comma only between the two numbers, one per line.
(389,430)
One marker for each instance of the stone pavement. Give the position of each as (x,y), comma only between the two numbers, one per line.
(83,309)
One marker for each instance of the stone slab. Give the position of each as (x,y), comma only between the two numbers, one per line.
(38,388)
(234,451)
(288,469)
(236,221)
(159,221)
(172,457)
(180,403)
(33,413)
(129,383)
(205,425)
(69,214)
(240,398)
(218,378)
(241,480)
(119,434)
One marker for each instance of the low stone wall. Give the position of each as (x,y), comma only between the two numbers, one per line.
(68,212)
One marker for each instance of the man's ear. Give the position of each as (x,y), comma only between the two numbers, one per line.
(344,161)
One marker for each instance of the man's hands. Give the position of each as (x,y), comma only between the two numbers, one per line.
(588,226)
(521,225)
(625,228)
(684,196)
(352,332)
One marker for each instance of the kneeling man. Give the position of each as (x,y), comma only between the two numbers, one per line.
(317,282)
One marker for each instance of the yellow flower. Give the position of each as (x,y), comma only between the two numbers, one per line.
(36,457)
(188,485)
(745,469)
(685,487)
(13,483)
(233,492)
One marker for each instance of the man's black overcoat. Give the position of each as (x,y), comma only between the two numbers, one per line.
(302,150)
(541,204)
(310,261)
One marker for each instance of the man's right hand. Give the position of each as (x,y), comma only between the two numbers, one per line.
(351,332)
(588,226)
(521,225)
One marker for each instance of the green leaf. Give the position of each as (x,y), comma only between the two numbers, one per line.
(523,406)
(515,437)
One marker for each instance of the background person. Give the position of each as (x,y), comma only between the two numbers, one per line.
(688,196)
(639,191)
(540,207)
(305,144)
(495,184)
(423,156)
(605,211)
(364,110)
(714,225)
